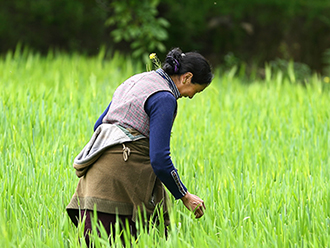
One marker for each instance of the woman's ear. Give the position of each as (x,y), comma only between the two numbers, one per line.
(187,77)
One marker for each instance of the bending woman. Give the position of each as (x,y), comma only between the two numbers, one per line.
(127,161)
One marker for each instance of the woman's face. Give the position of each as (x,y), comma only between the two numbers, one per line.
(186,87)
(189,89)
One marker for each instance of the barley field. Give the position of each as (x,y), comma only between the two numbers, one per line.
(257,153)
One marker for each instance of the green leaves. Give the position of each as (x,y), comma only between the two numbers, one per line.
(258,154)
(137,22)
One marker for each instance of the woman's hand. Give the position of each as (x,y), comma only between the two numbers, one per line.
(194,203)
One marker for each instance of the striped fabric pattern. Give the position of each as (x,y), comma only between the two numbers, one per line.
(172,85)
(178,183)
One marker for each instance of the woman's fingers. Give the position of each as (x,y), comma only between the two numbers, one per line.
(203,204)
(199,212)
(194,204)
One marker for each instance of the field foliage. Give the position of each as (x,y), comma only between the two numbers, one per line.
(257,153)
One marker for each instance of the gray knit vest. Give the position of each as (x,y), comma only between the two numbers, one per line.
(127,106)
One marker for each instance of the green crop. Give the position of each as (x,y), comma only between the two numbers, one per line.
(258,154)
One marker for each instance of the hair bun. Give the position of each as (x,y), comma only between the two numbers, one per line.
(173,60)
(175,53)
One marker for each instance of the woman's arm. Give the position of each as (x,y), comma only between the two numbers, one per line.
(161,108)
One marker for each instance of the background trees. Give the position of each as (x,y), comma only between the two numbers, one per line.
(252,31)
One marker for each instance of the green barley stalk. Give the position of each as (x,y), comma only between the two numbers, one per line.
(257,154)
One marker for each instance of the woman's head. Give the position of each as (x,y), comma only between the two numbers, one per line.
(178,63)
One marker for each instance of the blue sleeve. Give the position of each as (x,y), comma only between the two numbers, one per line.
(161,108)
(99,120)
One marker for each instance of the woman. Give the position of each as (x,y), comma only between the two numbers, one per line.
(125,164)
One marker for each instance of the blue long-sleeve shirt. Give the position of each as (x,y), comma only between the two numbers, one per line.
(160,107)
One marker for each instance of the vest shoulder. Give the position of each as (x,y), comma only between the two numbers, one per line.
(150,76)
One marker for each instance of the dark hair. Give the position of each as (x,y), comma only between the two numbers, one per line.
(178,63)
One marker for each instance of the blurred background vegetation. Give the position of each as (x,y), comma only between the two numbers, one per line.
(245,34)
